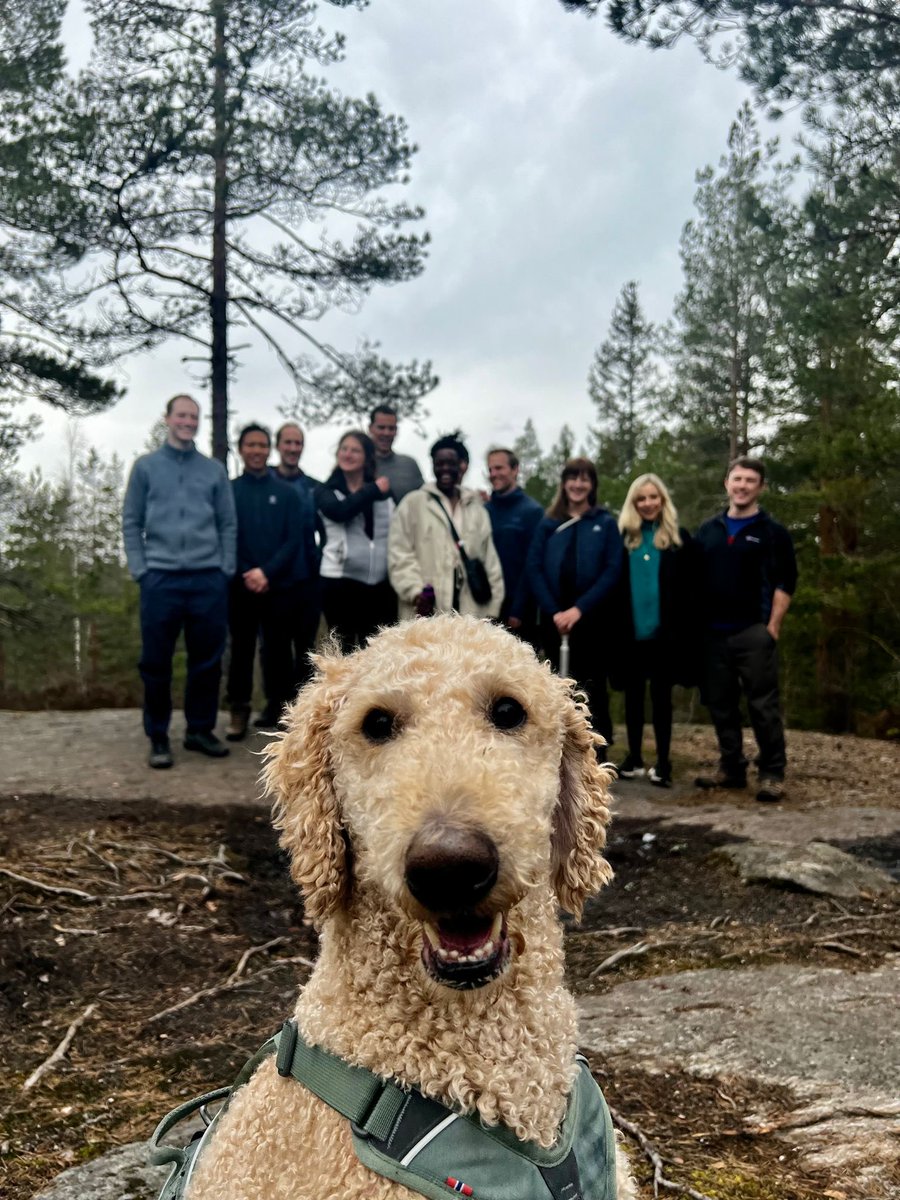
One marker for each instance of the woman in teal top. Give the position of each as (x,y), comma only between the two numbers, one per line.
(654,605)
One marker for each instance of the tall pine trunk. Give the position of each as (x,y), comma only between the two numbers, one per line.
(219,296)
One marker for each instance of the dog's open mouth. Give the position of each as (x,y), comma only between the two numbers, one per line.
(466,951)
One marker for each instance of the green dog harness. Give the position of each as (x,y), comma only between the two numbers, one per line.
(421,1143)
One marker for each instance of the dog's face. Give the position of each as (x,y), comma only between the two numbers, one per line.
(447,771)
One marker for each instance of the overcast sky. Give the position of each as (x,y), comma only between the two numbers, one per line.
(555,163)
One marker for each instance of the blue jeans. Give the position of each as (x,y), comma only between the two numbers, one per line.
(197,602)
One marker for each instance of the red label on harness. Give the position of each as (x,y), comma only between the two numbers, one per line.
(457,1185)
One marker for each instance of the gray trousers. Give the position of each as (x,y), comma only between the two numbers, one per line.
(745,662)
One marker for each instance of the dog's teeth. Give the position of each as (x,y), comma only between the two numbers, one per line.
(442,953)
(454,954)
(497,927)
(432,934)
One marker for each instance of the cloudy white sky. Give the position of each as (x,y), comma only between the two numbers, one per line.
(555,163)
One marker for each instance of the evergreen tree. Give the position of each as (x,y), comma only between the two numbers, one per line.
(207,158)
(41,228)
(839,449)
(624,384)
(724,359)
(527,449)
(787,49)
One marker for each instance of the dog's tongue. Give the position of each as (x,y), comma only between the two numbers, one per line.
(464,934)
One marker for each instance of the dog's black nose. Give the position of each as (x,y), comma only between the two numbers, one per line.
(451,869)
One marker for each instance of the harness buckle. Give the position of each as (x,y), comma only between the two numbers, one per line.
(287,1044)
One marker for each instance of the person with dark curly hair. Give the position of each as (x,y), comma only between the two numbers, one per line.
(436,528)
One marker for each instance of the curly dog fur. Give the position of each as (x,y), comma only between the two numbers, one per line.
(350,807)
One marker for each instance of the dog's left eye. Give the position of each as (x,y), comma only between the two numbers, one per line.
(507,713)
(378,725)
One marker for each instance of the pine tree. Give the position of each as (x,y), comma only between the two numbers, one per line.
(725,366)
(207,159)
(839,319)
(787,49)
(41,231)
(624,384)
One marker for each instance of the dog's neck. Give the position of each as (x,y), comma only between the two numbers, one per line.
(506,1050)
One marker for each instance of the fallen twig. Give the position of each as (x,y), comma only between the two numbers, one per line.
(129,896)
(230,985)
(659,1179)
(106,862)
(49,1063)
(626,952)
(248,954)
(48,887)
(840,948)
(80,932)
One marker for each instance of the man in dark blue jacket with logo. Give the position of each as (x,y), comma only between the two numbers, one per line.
(270,527)
(179,529)
(305,602)
(748,573)
(514,518)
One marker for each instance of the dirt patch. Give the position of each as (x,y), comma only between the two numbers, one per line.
(698,1126)
(181,893)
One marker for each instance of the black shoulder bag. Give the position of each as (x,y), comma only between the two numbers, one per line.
(476,574)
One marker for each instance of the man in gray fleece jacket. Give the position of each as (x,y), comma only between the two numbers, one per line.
(180,533)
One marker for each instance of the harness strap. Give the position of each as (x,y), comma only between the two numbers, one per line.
(371,1103)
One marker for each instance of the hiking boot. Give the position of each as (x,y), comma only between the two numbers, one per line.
(160,754)
(237,727)
(722,779)
(771,790)
(206,742)
(660,775)
(630,767)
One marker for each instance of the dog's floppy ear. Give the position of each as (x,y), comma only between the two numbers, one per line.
(299,774)
(581,814)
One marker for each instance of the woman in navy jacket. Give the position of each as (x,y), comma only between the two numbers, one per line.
(574,564)
(655,640)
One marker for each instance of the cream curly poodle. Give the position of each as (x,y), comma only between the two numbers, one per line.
(440,797)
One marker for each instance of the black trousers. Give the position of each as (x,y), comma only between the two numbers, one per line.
(252,617)
(746,662)
(586,666)
(195,601)
(302,604)
(646,664)
(354,610)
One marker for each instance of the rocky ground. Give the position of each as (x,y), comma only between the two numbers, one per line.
(738,981)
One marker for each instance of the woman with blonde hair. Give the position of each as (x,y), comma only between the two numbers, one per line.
(573,567)
(655,642)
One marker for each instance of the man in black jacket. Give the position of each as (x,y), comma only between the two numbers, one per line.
(269,517)
(748,574)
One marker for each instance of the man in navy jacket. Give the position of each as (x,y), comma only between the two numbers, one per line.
(748,573)
(270,528)
(514,518)
(179,529)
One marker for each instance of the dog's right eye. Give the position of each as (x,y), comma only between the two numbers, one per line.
(378,725)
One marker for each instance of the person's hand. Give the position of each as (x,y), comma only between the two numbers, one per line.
(774,631)
(383,484)
(566,620)
(514,622)
(255,580)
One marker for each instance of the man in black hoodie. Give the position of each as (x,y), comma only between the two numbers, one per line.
(270,520)
(748,574)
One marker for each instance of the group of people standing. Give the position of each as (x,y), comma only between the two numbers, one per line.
(632,602)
